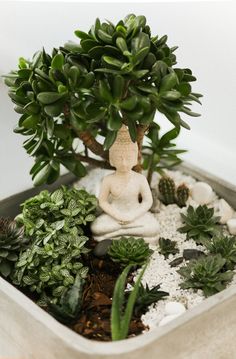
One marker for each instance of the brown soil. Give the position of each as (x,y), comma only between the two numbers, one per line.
(94,319)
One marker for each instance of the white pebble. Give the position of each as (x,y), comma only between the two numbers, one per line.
(224,211)
(231,223)
(202,193)
(173,308)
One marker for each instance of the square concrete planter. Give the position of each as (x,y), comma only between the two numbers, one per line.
(208,331)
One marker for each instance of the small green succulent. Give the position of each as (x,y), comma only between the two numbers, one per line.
(70,302)
(129,250)
(12,240)
(146,297)
(55,223)
(167,247)
(200,224)
(206,273)
(226,246)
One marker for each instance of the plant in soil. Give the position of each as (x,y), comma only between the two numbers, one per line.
(226,247)
(117,74)
(12,241)
(70,302)
(200,224)
(167,247)
(120,316)
(206,273)
(129,250)
(55,223)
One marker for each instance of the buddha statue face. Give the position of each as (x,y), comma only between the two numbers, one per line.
(123,154)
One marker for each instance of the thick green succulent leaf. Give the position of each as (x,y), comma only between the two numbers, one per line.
(109,140)
(47,98)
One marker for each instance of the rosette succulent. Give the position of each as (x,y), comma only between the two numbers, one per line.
(200,223)
(206,273)
(167,247)
(12,241)
(226,247)
(129,250)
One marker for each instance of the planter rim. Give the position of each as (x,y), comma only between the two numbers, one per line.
(88,346)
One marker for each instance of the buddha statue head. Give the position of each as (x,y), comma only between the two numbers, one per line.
(123,154)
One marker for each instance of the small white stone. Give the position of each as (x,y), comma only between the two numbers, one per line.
(202,193)
(224,211)
(168,319)
(231,223)
(173,308)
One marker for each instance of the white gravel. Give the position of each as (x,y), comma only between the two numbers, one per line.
(159,271)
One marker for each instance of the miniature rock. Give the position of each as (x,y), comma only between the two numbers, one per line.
(231,223)
(176,261)
(168,319)
(102,247)
(192,254)
(202,193)
(224,211)
(174,308)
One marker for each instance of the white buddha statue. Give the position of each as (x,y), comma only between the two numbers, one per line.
(125,196)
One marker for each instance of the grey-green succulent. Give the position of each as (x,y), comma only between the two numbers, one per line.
(129,250)
(12,241)
(200,224)
(226,247)
(167,247)
(206,273)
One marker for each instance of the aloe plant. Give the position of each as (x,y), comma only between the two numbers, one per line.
(117,73)
(120,316)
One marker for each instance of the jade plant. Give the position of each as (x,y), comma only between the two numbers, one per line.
(200,224)
(55,224)
(12,241)
(169,194)
(117,74)
(129,250)
(206,273)
(167,247)
(226,247)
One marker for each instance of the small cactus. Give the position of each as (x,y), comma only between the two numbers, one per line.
(182,194)
(167,190)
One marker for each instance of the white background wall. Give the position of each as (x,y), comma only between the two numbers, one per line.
(205,33)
